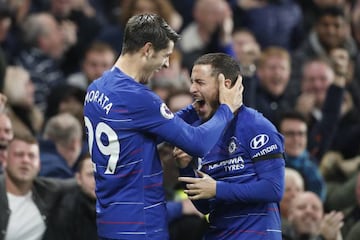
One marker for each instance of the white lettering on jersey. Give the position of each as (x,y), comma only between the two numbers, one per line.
(99,98)
(266,150)
(236,163)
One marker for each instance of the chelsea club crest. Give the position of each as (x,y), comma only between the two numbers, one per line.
(232,145)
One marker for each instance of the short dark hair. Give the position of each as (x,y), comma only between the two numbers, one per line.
(25,137)
(333,11)
(144,28)
(221,63)
(292,114)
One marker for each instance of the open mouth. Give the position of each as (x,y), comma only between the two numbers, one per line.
(200,102)
(3,146)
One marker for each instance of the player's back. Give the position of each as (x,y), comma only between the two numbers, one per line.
(128,173)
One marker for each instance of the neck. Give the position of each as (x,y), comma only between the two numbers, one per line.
(131,65)
(17,188)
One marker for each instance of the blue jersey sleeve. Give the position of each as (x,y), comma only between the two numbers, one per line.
(268,188)
(155,118)
(188,114)
(265,149)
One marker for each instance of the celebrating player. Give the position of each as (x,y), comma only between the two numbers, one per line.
(125,121)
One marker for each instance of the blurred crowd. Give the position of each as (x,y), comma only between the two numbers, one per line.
(300,61)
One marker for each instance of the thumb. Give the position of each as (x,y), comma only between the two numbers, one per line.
(221,79)
(200,173)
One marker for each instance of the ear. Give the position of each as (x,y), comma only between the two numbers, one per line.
(78,178)
(148,49)
(228,83)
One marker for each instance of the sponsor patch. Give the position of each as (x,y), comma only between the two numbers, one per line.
(259,141)
(165,111)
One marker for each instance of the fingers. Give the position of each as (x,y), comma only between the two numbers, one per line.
(201,174)
(188,179)
(334,219)
(238,83)
(194,194)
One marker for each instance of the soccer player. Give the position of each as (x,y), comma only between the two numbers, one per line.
(125,121)
(241,180)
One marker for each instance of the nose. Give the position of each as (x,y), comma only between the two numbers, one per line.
(193,88)
(166,63)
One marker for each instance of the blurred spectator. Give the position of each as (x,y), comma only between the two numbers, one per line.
(27,202)
(5,24)
(45,47)
(320,102)
(179,100)
(61,146)
(341,177)
(273,22)
(343,66)
(13,43)
(294,128)
(185,8)
(172,79)
(66,98)
(209,32)
(98,58)
(356,34)
(347,128)
(330,30)
(164,8)
(247,50)
(273,72)
(24,114)
(76,217)
(294,184)
(247,53)
(352,214)
(307,220)
(175,102)
(312,8)
(6,135)
(80,28)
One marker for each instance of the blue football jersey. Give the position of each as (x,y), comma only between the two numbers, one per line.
(125,120)
(248,165)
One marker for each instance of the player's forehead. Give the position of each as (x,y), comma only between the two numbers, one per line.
(201,71)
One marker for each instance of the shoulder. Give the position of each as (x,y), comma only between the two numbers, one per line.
(47,184)
(252,120)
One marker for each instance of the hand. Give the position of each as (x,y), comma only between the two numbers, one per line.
(188,208)
(226,23)
(3,100)
(305,104)
(182,158)
(341,61)
(69,31)
(233,97)
(199,188)
(331,225)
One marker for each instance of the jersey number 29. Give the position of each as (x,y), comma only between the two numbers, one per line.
(111,150)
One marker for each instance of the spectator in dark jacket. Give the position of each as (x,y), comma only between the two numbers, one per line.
(27,202)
